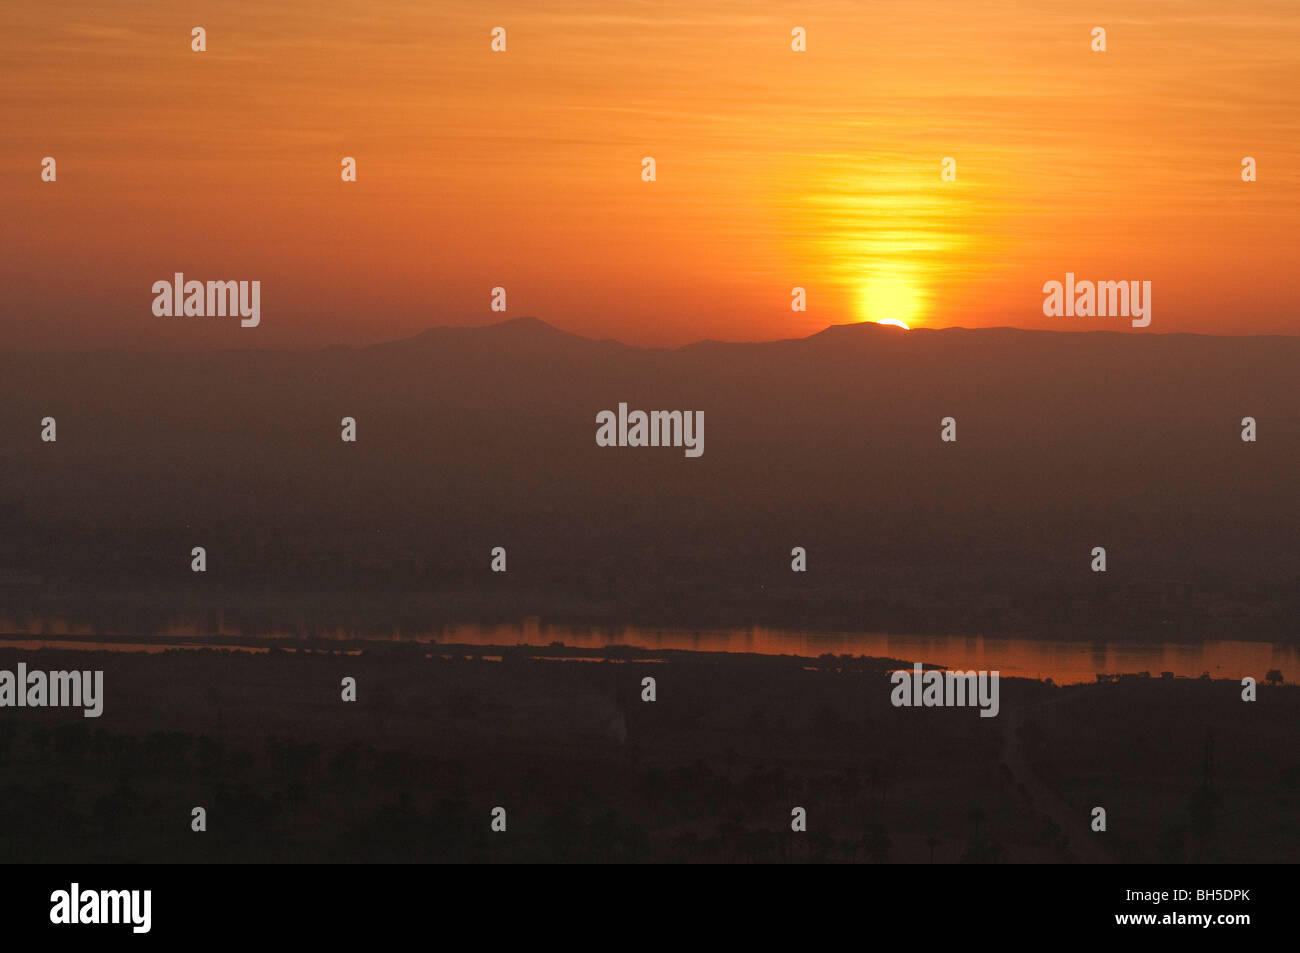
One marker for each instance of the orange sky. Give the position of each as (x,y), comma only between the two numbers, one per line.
(775,168)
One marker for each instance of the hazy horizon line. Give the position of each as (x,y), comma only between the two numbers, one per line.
(533,320)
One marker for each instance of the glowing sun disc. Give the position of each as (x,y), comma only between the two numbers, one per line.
(890,298)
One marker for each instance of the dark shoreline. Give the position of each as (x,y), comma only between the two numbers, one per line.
(423,616)
(557,650)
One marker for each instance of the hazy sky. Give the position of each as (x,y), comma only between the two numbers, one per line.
(523,169)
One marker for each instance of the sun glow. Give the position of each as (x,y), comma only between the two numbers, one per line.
(890,299)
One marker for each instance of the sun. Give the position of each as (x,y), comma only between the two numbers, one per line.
(890,299)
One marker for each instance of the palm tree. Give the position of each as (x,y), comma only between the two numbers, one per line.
(932,842)
(877,844)
(976,814)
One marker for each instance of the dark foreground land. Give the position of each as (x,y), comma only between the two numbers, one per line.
(440,735)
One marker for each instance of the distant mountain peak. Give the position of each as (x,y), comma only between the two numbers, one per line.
(527,325)
(859,327)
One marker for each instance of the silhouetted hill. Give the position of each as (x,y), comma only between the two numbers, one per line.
(517,332)
(470,438)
